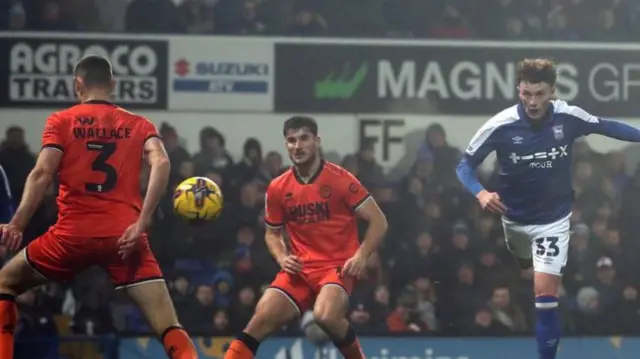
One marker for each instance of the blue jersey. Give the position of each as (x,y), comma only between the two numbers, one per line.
(534,158)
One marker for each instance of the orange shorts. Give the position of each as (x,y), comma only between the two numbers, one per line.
(302,288)
(59,258)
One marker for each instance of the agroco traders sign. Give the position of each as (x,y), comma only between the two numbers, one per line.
(447,77)
(38,70)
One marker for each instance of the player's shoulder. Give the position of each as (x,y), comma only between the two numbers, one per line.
(281,180)
(335,170)
(505,117)
(562,108)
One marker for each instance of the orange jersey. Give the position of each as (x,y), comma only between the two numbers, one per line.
(319,216)
(102,147)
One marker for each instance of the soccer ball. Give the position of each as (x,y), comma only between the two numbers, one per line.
(197,199)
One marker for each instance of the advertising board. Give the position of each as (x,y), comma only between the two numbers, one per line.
(404,348)
(39,69)
(443,77)
(221,74)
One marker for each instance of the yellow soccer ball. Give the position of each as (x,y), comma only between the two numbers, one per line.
(198,199)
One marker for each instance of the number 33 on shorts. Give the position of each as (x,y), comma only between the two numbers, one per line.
(550,253)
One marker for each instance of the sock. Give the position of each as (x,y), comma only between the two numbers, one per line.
(350,347)
(8,321)
(548,328)
(177,344)
(243,347)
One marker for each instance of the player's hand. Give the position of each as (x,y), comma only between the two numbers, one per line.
(11,236)
(130,239)
(290,264)
(491,202)
(354,266)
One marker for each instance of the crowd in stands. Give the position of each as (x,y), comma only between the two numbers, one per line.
(571,20)
(443,269)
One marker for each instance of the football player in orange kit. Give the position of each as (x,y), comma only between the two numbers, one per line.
(96,150)
(316,202)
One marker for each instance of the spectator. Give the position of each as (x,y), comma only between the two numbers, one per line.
(405,318)
(197,17)
(306,22)
(507,312)
(243,310)
(181,295)
(16,160)
(163,21)
(484,325)
(212,152)
(203,309)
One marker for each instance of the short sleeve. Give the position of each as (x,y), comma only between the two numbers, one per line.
(53,135)
(273,211)
(149,130)
(354,193)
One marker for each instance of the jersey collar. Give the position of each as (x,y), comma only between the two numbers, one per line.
(312,178)
(548,117)
(98,102)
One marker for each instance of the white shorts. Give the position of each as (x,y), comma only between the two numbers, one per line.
(547,244)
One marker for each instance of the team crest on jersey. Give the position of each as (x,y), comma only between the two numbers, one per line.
(557,132)
(325,192)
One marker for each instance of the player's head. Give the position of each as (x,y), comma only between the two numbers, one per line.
(301,138)
(536,85)
(93,74)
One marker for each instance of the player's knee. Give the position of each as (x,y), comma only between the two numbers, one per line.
(326,318)
(545,284)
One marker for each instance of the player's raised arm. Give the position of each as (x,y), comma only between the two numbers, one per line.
(590,124)
(42,175)
(480,146)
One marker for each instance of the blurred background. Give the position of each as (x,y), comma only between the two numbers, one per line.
(398,88)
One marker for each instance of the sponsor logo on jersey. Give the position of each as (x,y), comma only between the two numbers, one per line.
(541,159)
(313,212)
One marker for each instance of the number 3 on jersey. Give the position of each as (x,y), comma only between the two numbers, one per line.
(105,150)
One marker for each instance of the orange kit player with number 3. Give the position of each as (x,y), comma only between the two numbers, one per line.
(96,150)
(316,202)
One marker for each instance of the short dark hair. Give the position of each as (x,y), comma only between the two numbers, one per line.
(537,70)
(300,122)
(94,70)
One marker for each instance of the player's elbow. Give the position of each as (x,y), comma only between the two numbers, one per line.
(161,163)
(464,169)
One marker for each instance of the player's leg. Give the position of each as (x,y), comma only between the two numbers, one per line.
(24,271)
(518,243)
(141,278)
(282,302)
(550,252)
(330,312)
(153,299)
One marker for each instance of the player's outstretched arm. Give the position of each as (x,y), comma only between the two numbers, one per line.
(40,178)
(615,129)
(158,161)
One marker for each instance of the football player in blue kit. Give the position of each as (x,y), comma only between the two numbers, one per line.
(533,141)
